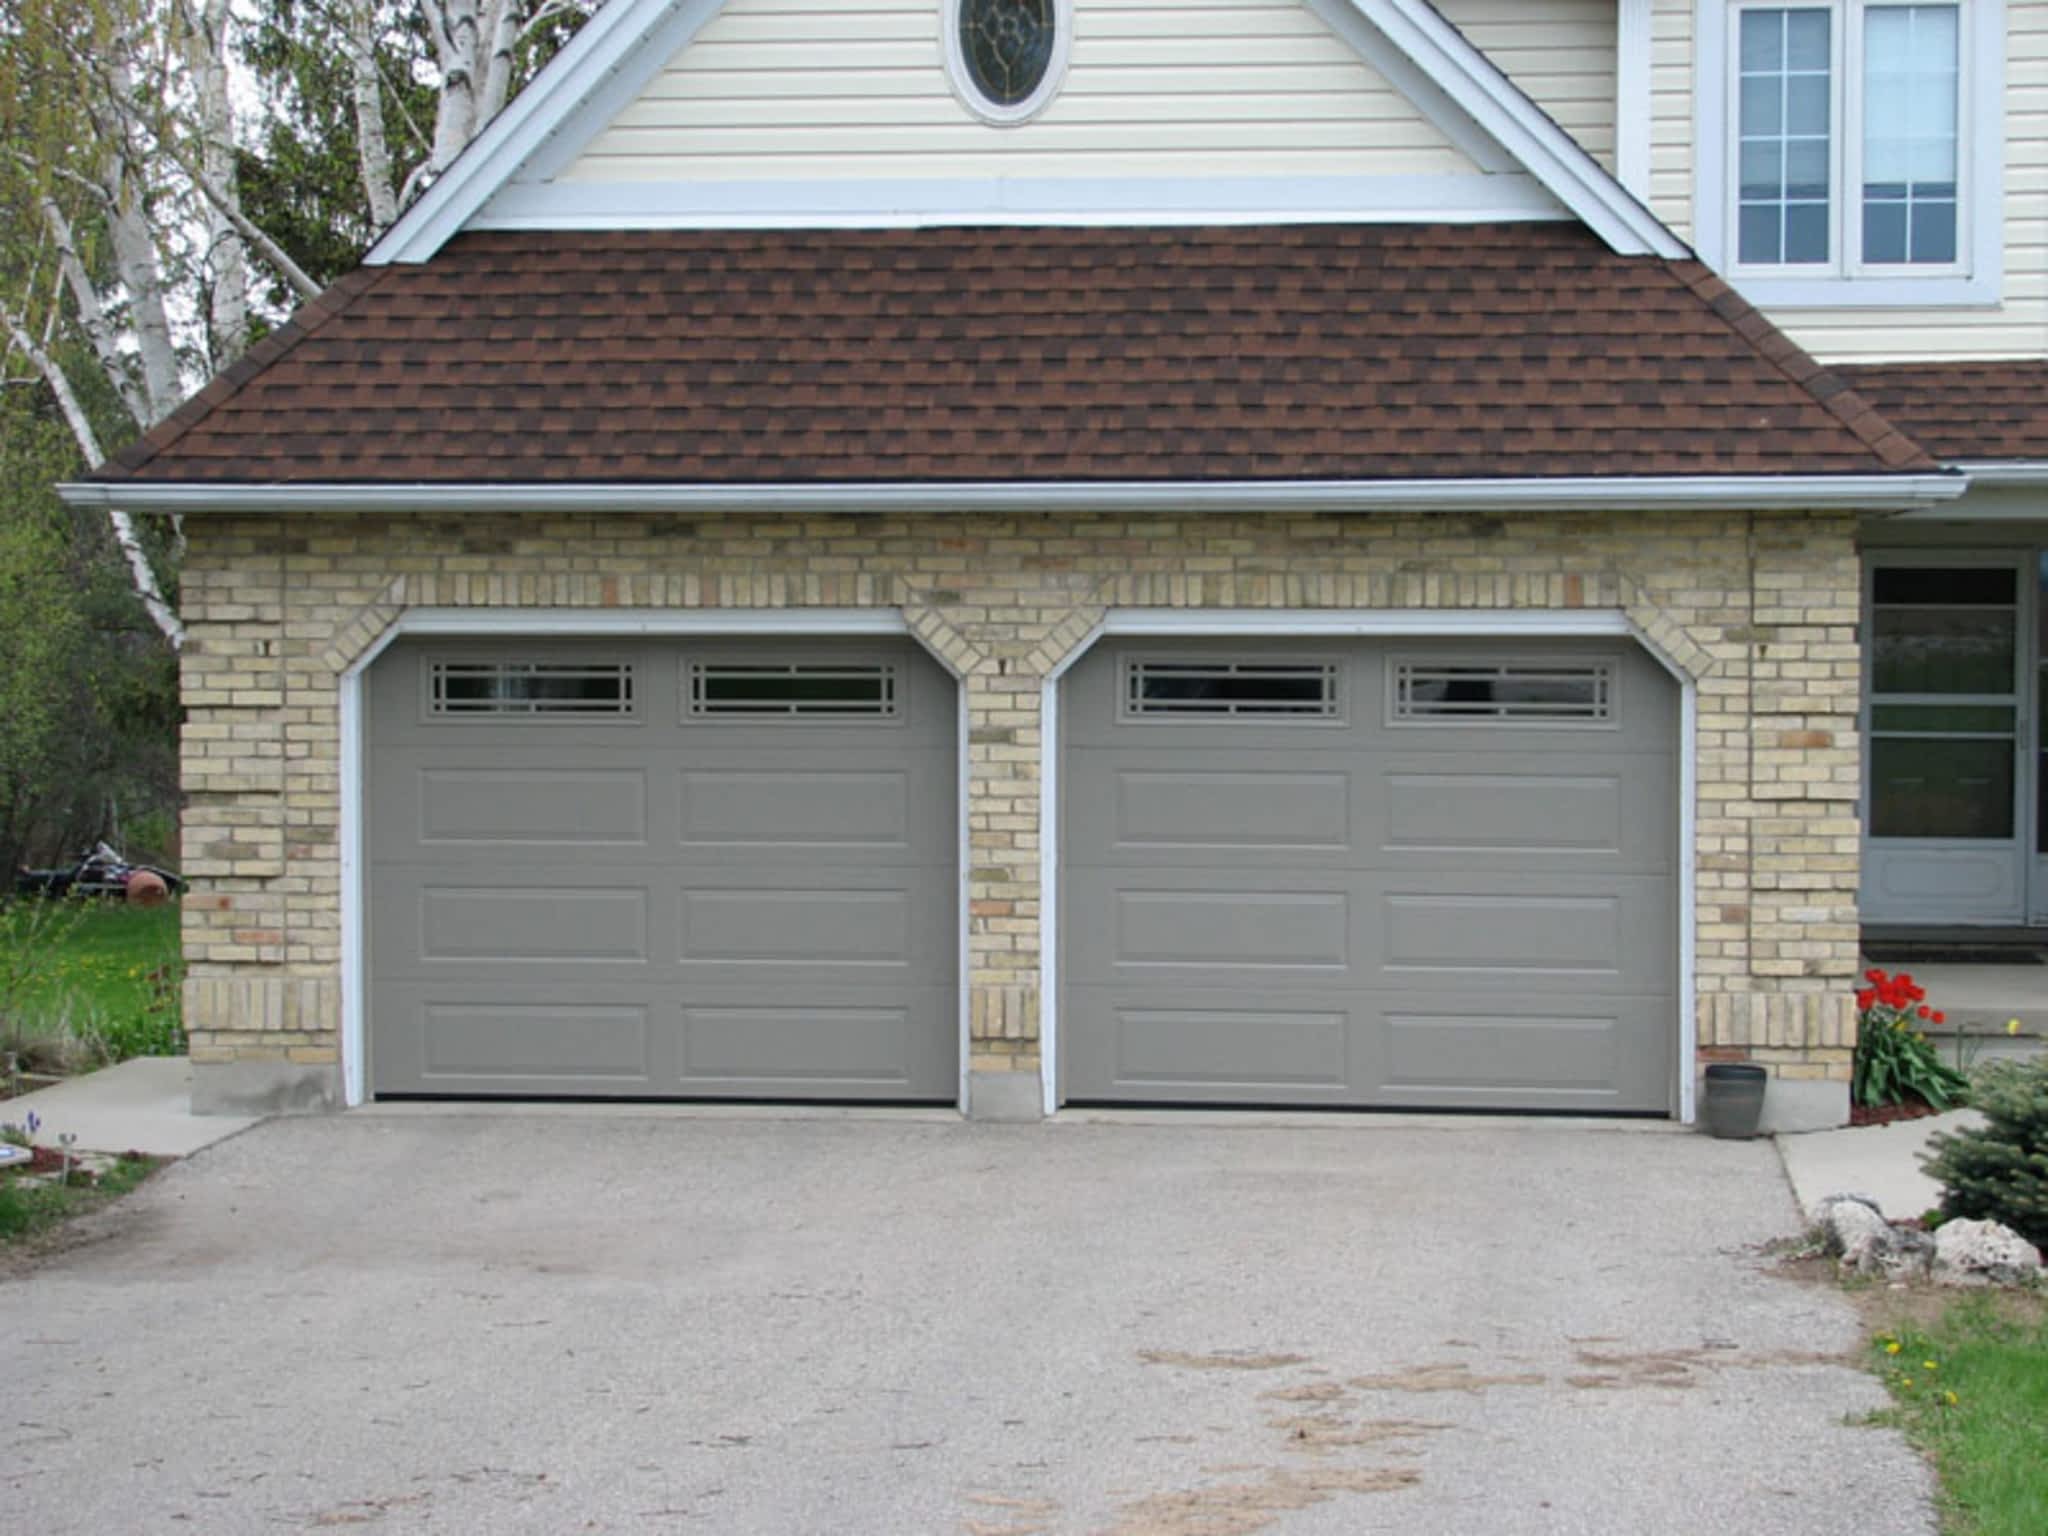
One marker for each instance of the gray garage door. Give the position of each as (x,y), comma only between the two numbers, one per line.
(663,869)
(1419,874)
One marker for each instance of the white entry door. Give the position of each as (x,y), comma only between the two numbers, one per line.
(1948,664)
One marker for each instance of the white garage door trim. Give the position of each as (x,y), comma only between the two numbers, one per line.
(645,622)
(1362,623)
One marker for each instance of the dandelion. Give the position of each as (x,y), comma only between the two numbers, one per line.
(1929,1365)
(2012,1026)
(1950,1398)
(1892,1348)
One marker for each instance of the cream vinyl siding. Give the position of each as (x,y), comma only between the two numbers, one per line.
(2017,327)
(804,90)
(1561,52)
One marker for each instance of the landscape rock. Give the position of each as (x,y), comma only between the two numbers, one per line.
(1854,1230)
(1983,1253)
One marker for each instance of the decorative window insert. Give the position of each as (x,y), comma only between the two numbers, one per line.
(1851,150)
(1293,690)
(495,689)
(1005,58)
(725,690)
(1503,693)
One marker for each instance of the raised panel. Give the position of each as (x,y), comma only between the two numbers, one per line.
(521,927)
(538,1040)
(820,806)
(1488,933)
(1486,811)
(1246,1049)
(1511,1049)
(1232,928)
(1192,808)
(870,1045)
(796,927)
(542,805)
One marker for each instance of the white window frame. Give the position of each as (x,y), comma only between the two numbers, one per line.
(1847,282)
(961,78)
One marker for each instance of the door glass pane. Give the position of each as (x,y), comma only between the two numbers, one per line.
(1929,787)
(1944,629)
(1944,770)
(1943,650)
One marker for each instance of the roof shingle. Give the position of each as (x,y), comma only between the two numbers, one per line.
(1961,411)
(1352,352)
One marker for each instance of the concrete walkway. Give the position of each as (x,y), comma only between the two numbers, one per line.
(143,1105)
(616,1323)
(1881,1161)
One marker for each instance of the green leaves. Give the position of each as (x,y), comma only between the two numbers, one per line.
(2000,1170)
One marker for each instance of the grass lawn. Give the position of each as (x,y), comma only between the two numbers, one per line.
(29,1210)
(1970,1388)
(96,980)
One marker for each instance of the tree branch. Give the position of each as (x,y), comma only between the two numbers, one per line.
(141,574)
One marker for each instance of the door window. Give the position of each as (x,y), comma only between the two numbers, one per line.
(1944,701)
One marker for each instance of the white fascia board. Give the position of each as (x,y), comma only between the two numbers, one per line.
(1875,493)
(1506,113)
(911,203)
(613,54)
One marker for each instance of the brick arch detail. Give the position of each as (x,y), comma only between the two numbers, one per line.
(1603,589)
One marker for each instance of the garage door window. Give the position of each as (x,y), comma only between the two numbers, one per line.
(792,691)
(1208,690)
(1502,693)
(495,689)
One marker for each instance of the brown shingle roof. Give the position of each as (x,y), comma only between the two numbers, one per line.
(1963,410)
(1286,353)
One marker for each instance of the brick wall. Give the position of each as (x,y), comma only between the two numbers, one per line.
(1761,610)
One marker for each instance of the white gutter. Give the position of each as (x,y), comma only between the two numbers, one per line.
(2015,472)
(1874,493)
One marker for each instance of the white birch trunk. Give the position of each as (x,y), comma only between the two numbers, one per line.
(455,27)
(206,59)
(373,148)
(140,572)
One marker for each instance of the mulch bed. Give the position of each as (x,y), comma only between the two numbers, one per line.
(1888,1114)
(48,1160)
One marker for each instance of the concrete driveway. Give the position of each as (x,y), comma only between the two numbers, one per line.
(570,1322)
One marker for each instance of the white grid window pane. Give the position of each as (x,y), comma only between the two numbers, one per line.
(1784,116)
(1911,87)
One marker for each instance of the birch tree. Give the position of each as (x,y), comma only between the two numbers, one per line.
(132,265)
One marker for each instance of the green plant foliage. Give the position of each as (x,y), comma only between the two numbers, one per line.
(1894,1061)
(1999,1170)
(26,1210)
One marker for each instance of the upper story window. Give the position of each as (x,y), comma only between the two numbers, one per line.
(1850,150)
(1006,57)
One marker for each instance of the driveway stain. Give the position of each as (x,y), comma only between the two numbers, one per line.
(1223,1361)
(1454,1377)
(1241,1508)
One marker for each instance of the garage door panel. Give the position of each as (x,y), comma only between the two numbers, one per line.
(1261,929)
(1477,915)
(500,807)
(1171,1043)
(796,806)
(828,1042)
(800,928)
(532,926)
(679,905)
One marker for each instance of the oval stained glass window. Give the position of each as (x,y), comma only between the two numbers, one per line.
(1008,46)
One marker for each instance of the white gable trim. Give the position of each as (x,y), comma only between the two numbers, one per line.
(917,203)
(604,66)
(1522,128)
(628,42)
